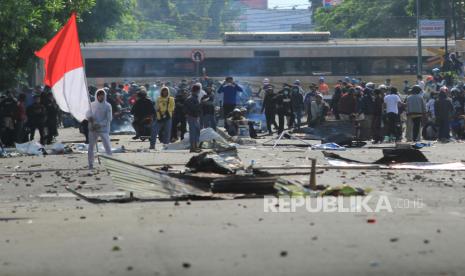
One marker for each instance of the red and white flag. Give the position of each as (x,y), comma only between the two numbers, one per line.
(64,70)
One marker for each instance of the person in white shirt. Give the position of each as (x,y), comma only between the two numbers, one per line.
(99,117)
(392,102)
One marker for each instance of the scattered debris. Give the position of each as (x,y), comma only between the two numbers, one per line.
(328,146)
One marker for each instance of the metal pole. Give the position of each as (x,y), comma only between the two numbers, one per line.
(312,183)
(446,33)
(419,59)
(454,18)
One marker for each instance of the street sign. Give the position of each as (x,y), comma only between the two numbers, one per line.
(432,28)
(197,55)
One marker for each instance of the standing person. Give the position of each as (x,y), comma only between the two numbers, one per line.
(323,88)
(420,82)
(444,109)
(21,119)
(164,110)
(179,118)
(229,89)
(37,116)
(297,101)
(309,97)
(99,117)
(8,114)
(208,110)
(335,101)
(319,110)
(52,118)
(269,106)
(392,102)
(143,111)
(284,108)
(347,105)
(367,105)
(377,116)
(192,110)
(263,90)
(416,109)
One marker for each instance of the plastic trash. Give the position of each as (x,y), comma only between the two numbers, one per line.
(57,148)
(344,190)
(328,146)
(30,148)
(419,145)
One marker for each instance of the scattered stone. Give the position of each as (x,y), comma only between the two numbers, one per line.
(186,265)
(426,241)
(82,217)
(116,248)
(283,253)
(314,238)
(129,268)
(394,239)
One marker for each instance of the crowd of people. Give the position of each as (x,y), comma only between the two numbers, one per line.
(24,114)
(167,111)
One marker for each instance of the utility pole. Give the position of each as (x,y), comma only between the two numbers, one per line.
(454,21)
(420,59)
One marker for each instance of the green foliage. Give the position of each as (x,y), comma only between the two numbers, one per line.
(382,18)
(28,24)
(174,19)
(366,18)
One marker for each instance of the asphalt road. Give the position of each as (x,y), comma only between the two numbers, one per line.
(44,230)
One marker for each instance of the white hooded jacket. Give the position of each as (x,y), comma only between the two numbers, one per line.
(101,112)
(201,92)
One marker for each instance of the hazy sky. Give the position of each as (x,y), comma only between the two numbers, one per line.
(287,4)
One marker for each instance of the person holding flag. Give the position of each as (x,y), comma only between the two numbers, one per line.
(64,73)
(99,117)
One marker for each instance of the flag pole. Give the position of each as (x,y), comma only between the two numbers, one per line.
(88,96)
(91,112)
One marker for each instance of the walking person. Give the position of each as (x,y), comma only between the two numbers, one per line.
(51,122)
(269,107)
(229,89)
(416,110)
(392,102)
(99,118)
(164,113)
(37,116)
(192,109)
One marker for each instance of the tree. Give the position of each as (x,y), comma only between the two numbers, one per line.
(366,18)
(28,24)
(381,18)
(174,19)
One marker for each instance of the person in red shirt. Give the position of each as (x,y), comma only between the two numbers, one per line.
(323,87)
